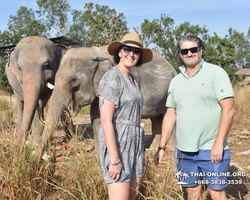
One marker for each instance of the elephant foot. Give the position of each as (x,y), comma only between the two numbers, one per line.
(39,153)
(22,138)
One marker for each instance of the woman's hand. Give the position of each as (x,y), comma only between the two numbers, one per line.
(115,171)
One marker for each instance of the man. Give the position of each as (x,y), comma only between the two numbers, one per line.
(201,104)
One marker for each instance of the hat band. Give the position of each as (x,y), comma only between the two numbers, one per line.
(132,42)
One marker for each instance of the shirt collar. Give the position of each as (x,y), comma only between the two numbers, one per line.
(183,68)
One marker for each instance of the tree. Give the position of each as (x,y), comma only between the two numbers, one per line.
(78,30)
(221,51)
(162,35)
(159,35)
(242,48)
(5,39)
(56,14)
(4,83)
(100,24)
(25,24)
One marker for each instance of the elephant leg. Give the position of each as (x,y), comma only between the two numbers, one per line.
(153,141)
(19,105)
(95,118)
(38,123)
(156,134)
(21,134)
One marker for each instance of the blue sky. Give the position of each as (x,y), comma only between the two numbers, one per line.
(217,15)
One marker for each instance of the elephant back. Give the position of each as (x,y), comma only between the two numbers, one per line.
(105,62)
(154,78)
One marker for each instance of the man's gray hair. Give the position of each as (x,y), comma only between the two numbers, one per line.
(188,37)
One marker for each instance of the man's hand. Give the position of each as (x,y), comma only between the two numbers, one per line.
(158,157)
(216,153)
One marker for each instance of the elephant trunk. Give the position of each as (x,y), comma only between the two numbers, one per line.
(59,101)
(32,87)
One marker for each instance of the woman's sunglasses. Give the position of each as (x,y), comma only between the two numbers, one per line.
(128,49)
(193,50)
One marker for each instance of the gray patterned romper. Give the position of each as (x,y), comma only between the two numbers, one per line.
(117,88)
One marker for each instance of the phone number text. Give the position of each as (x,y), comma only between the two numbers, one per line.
(219,182)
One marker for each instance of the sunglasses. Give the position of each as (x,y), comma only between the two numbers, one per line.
(193,50)
(128,49)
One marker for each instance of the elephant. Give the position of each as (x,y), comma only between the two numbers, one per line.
(77,81)
(32,65)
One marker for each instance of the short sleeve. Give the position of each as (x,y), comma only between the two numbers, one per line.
(170,98)
(109,89)
(222,85)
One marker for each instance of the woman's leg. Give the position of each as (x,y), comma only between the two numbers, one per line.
(134,188)
(119,191)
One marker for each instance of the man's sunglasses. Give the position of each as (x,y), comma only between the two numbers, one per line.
(193,50)
(128,49)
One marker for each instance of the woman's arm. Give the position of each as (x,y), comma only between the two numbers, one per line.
(107,111)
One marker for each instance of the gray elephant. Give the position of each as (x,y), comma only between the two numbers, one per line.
(32,64)
(78,77)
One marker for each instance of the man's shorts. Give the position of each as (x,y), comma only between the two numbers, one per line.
(196,168)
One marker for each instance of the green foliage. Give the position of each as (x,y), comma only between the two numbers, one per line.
(163,35)
(4,84)
(222,52)
(242,48)
(56,14)
(99,25)
(25,24)
(77,30)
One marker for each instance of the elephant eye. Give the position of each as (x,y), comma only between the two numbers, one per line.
(46,66)
(72,80)
(19,68)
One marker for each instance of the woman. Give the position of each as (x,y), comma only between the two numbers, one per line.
(120,139)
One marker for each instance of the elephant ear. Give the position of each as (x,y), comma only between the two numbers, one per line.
(12,64)
(61,50)
(104,64)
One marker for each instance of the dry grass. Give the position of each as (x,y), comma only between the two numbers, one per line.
(242,106)
(76,174)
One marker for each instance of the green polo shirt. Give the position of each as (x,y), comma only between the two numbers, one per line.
(196,101)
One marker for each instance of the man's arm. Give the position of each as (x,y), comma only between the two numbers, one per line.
(168,125)
(226,121)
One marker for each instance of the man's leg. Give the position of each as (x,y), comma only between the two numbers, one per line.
(217,194)
(216,174)
(194,193)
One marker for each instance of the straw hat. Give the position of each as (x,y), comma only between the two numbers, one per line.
(132,40)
